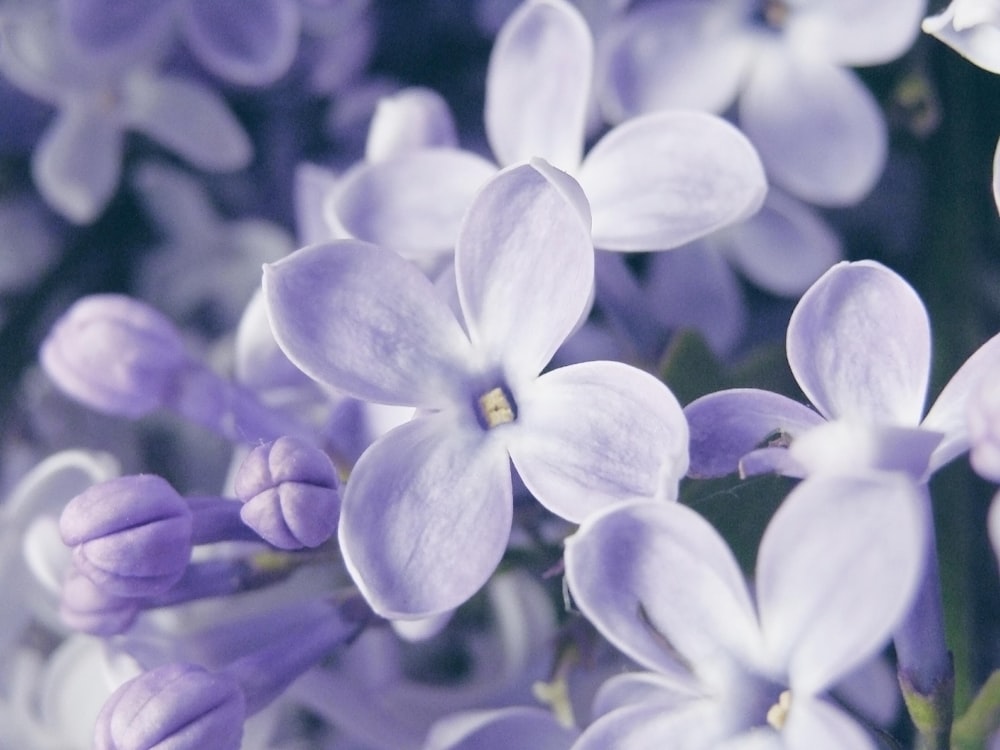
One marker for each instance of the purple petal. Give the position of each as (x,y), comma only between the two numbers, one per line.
(979,43)
(675,55)
(984,430)
(859,344)
(639,687)
(367,322)
(524,265)
(500,729)
(100,25)
(816,724)
(727,425)
(950,412)
(598,433)
(250,42)
(664,179)
(426,495)
(844,447)
(662,586)
(837,569)
(784,247)
(77,163)
(538,85)
(696,726)
(313,187)
(413,118)
(820,132)
(190,119)
(413,203)
(855,32)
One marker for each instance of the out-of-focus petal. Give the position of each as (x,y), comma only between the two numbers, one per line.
(313,187)
(662,586)
(859,344)
(367,322)
(837,569)
(524,265)
(727,425)
(413,203)
(424,496)
(660,180)
(950,413)
(996,173)
(984,430)
(816,724)
(980,43)
(994,525)
(784,247)
(666,691)
(250,42)
(855,32)
(413,118)
(105,25)
(538,85)
(77,163)
(188,118)
(598,433)
(820,132)
(500,729)
(844,447)
(674,55)
(696,726)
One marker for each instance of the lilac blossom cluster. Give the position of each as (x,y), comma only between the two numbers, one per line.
(504,374)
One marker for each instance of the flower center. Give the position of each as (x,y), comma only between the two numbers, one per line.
(777,714)
(495,408)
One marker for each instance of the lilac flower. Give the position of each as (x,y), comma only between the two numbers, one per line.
(820,132)
(77,163)
(859,346)
(500,729)
(836,570)
(438,489)
(971,28)
(250,42)
(652,183)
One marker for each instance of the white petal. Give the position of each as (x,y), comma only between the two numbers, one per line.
(980,44)
(855,32)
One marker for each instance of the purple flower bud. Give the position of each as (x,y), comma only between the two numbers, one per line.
(114,354)
(173,706)
(131,535)
(291,493)
(83,606)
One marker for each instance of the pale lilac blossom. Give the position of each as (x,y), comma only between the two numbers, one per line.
(971,28)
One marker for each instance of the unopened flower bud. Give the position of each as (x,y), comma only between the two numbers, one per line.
(291,493)
(132,535)
(115,354)
(83,606)
(173,706)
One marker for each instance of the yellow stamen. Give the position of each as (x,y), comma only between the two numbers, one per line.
(495,408)
(777,714)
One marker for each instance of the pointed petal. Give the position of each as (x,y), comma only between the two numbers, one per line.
(538,85)
(784,247)
(413,203)
(837,569)
(662,586)
(695,726)
(365,321)
(524,265)
(77,163)
(980,43)
(500,729)
(664,179)
(424,496)
(727,425)
(859,344)
(819,131)
(951,411)
(816,724)
(413,118)
(250,42)
(598,433)
(855,32)
(190,119)
(676,55)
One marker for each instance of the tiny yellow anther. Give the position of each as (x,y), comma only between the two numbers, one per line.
(777,714)
(495,408)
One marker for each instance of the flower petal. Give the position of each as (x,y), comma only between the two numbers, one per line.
(250,42)
(538,85)
(597,433)
(950,412)
(784,247)
(524,265)
(500,729)
(629,688)
(820,132)
(188,118)
(816,724)
(727,425)
(422,497)
(837,569)
(855,32)
(103,25)
(365,321)
(980,43)
(664,179)
(412,203)
(859,344)
(695,726)
(662,586)
(415,117)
